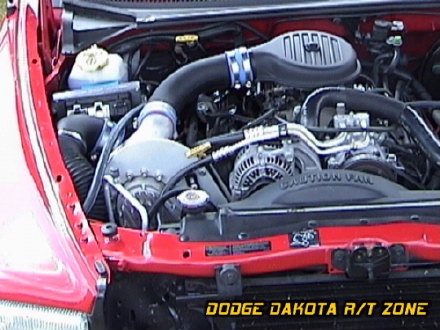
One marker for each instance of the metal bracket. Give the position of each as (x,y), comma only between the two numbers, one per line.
(368,263)
(101,283)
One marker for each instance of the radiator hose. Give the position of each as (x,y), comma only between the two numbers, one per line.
(79,136)
(377,105)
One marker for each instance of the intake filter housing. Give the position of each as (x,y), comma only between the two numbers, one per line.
(305,59)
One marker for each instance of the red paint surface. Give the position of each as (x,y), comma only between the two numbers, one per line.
(164,253)
(39,262)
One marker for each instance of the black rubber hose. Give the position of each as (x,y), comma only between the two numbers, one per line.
(160,203)
(98,176)
(424,137)
(376,66)
(189,81)
(77,138)
(419,89)
(165,194)
(375,104)
(185,171)
(87,127)
(222,140)
(380,106)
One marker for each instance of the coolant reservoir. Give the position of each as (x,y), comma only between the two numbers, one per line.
(95,67)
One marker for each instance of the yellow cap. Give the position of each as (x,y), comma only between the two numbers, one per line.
(187,38)
(92,59)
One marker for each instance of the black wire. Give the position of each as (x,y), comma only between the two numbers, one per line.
(98,176)
(221,140)
(160,202)
(235,117)
(135,41)
(129,66)
(428,105)
(185,171)
(368,79)
(394,61)
(142,63)
(383,90)
(253,30)
(173,181)
(220,182)
(377,66)
(124,46)
(428,170)
(142,36)
(400,88)
(410,180)
(260,119)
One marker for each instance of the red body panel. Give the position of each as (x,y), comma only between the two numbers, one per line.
(42,259)
(164,253)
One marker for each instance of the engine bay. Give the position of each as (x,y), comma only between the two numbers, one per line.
(165,130)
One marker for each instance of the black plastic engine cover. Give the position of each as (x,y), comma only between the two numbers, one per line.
(305,59)
(309,201)
(330,188)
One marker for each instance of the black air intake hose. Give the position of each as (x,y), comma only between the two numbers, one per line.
(379,106)
(375,104)
(78,137)
(191,80)
(302,59)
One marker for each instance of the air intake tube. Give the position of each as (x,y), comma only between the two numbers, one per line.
(79,136)
(303,59)
(377,105)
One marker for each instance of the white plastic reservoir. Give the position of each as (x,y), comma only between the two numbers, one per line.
(96,67)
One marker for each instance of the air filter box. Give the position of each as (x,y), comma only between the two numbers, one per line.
(305,59)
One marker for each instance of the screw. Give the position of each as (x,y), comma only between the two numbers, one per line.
(243,236)
(144,171)
(202,107)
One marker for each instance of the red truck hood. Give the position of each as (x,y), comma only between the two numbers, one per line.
(41,258)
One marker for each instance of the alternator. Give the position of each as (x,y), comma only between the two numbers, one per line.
(258,165)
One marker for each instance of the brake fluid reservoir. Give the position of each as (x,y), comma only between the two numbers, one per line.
(95,67)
